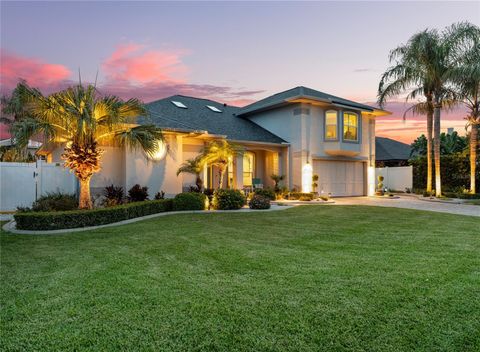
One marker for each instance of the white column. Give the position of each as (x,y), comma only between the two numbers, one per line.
(238,174)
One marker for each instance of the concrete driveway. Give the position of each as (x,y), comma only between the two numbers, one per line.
(411,202)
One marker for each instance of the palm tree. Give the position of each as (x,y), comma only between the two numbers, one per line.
(408,74)
(465,77)
(195,167)
(81,119)
(218,153)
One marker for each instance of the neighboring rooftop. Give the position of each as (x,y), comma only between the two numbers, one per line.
(202,115)
(390,149)
(301,92)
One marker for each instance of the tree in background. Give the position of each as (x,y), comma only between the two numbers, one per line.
(449,144)
(81,119)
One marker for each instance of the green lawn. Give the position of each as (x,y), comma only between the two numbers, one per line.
(311,278)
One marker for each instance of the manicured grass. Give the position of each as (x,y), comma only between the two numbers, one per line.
(333,278)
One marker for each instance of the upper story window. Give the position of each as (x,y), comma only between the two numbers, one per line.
(331,122)
(350,126)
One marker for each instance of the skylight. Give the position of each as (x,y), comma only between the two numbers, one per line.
(179,104)
(213,108)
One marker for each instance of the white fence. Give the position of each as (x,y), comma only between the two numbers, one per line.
(22,183)
(395,178)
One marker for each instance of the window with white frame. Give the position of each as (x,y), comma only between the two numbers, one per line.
(331,123)
(350,126)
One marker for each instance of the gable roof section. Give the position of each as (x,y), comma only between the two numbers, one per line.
(389,149)
(198,117)
(284,97)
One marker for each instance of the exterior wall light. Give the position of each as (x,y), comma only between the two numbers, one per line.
(307,172)
(371,181)
(160,151)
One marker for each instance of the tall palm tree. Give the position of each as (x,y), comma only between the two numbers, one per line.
(81,119)
(195,167)
(409,75)
(465,76)
(217,153)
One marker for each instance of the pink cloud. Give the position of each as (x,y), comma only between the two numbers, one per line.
(395,127)
(37,72)
(132,70)
(136,64)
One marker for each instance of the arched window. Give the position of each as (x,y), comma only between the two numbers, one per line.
(331,125)
(350,126)
(248,168)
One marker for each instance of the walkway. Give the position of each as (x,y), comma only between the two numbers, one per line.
(409,202)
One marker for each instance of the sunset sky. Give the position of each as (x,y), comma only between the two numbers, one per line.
(228,51)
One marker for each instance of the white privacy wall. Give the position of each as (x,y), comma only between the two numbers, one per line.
(395,178)
(22,183)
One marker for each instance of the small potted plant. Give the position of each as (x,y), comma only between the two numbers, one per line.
(380,191)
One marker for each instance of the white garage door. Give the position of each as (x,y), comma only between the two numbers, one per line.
(340,178)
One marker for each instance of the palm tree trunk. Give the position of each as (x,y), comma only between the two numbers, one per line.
(85,201)
(436,147)
(222,176)
(199,182)
(429,147)
(473,157)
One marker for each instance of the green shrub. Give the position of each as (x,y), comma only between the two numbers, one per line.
(228,199)
(468,195)
(138,193)
(428,194)
(450,194)
(305,198)
(266,192)
(54,201)
(94,217)
(189,201)
(259,202)
(159,195)
(113,196)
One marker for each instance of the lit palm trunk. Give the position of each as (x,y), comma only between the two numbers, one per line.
(473,157)
(429,144)
(436,149)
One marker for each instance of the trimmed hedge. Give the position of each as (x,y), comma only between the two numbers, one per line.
(228,199)
(94,217)
(300,196)
(189,201)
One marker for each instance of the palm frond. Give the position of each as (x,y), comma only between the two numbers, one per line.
(145,137)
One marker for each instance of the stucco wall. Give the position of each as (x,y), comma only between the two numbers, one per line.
(156,175)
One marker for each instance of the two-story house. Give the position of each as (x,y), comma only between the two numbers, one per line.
(297,133)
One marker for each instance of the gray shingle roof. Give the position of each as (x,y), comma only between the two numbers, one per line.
(197,117)
(389,149)
(299,92)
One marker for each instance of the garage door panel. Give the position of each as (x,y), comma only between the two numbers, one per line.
(340,178)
